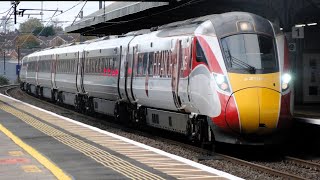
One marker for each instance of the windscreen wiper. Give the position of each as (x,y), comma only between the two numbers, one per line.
(238,62)
(252,69)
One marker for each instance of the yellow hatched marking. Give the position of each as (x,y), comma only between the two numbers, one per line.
(56,171)
(16,153)
(108,160)
(31,169)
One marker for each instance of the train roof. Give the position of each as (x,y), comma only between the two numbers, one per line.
(185,27)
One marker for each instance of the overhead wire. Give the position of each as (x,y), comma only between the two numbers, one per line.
(6,10)
(6,22)
(79,12)
(50,19)
(69,9)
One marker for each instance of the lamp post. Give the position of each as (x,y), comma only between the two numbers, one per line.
(4,61)
(19,64)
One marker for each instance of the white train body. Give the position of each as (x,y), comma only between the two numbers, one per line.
(179,77)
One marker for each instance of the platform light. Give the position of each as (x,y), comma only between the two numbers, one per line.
(312,24)
(300,25)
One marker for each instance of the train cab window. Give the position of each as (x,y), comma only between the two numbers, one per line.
(250,53)
(200,56)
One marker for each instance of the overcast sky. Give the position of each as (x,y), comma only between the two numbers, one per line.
(68,17)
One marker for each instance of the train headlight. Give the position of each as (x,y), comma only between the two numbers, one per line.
(222,82)
(285,79)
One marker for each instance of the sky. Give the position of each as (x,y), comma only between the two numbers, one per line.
(67,17)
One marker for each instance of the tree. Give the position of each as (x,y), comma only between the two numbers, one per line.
(27,41)
(57,25)
(30,25)
(44,31)
(3,80)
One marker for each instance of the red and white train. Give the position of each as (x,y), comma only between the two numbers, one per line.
(223,77)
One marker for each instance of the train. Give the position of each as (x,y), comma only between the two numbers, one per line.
(216,78)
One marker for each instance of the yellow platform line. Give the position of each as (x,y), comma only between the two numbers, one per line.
(56,171)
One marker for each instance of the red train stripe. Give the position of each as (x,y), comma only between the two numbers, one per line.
(212,60)
(286,56)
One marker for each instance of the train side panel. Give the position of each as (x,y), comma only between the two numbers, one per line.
(151,85)
(101,68)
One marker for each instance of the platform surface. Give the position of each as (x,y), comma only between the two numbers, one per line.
(37,144)
(307,113)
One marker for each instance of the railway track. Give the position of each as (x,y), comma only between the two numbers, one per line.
(211,155)
(207,154)
(5,88)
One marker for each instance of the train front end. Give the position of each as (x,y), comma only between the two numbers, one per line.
(254,83)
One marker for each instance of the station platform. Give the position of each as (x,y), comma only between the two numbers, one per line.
(308,113)
(38,144)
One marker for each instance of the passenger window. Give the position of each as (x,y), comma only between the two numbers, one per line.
(140,64)
(145,63)
(150,68)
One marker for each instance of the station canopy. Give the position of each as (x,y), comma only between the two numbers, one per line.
(122,17)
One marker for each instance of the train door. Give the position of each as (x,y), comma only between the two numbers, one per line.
(176,66)
(37,70)
(131,61)
(51,69)
(184,72)
(54,71)
(79,71)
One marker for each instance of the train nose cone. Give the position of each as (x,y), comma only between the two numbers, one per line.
(258,110)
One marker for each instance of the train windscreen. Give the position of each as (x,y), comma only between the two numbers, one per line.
(250,53)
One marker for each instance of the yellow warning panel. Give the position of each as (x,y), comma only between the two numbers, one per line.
(16,153)
(31,169)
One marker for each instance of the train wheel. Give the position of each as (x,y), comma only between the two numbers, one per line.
(77,103)
(37,91)
(22,86)
(59,98)
(53,95)
(41,92)
(203,133)
(121,113)
(89,108)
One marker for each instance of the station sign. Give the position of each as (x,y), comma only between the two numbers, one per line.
(297,32)
(292,47)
